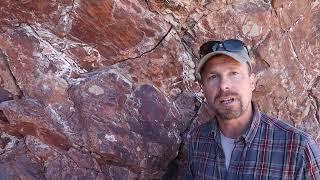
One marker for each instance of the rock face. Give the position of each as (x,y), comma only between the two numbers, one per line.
(105,89)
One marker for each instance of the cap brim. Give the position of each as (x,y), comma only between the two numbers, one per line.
(236,56)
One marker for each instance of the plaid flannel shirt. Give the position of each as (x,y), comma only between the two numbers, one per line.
(270,149)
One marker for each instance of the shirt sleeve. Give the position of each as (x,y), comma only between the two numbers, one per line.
(312,161)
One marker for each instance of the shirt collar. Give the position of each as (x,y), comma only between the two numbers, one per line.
(254,125)
(251,130)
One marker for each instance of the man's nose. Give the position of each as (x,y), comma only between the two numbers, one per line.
(225,84)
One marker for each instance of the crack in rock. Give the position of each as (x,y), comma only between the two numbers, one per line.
(316,105)
(273,5)
(18,93)
(173,165)
(146,52)
(263,39)
(315,99)
(296,57)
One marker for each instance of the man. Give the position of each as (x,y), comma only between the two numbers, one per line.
(240,142)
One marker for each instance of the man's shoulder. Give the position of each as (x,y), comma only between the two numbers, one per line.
(202,130)
(283,129)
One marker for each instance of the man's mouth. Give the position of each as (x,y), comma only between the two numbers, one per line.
(227,100)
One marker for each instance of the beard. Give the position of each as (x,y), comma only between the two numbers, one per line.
(228,112)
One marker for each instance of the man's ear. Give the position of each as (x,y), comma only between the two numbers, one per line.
(201,84)
(252,81)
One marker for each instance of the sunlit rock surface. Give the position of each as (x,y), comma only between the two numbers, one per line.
(105,89)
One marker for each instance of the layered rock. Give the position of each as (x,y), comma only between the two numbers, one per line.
(105,89)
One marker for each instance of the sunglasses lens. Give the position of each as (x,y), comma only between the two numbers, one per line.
(233,45)
(206,48)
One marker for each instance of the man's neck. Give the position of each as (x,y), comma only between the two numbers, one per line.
(234,128)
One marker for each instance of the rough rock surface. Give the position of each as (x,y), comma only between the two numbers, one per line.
(105,89)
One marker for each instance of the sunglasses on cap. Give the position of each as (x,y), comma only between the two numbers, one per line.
(231,45)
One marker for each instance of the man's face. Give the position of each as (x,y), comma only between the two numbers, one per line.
(227,86)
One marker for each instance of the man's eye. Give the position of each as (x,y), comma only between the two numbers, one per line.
(234,73)
(213,76)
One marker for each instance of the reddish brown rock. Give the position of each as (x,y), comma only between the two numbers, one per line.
(9,88)
(17,163)
(27,117)
(55,16)
(114,32)
(105,89)
(130,126)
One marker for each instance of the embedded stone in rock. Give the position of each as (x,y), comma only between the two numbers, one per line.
(128,126)
(100,114)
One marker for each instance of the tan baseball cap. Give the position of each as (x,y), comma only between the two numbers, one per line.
(239,54)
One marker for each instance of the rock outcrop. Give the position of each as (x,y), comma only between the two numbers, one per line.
(105,89)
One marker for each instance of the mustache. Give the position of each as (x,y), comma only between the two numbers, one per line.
(225,94)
